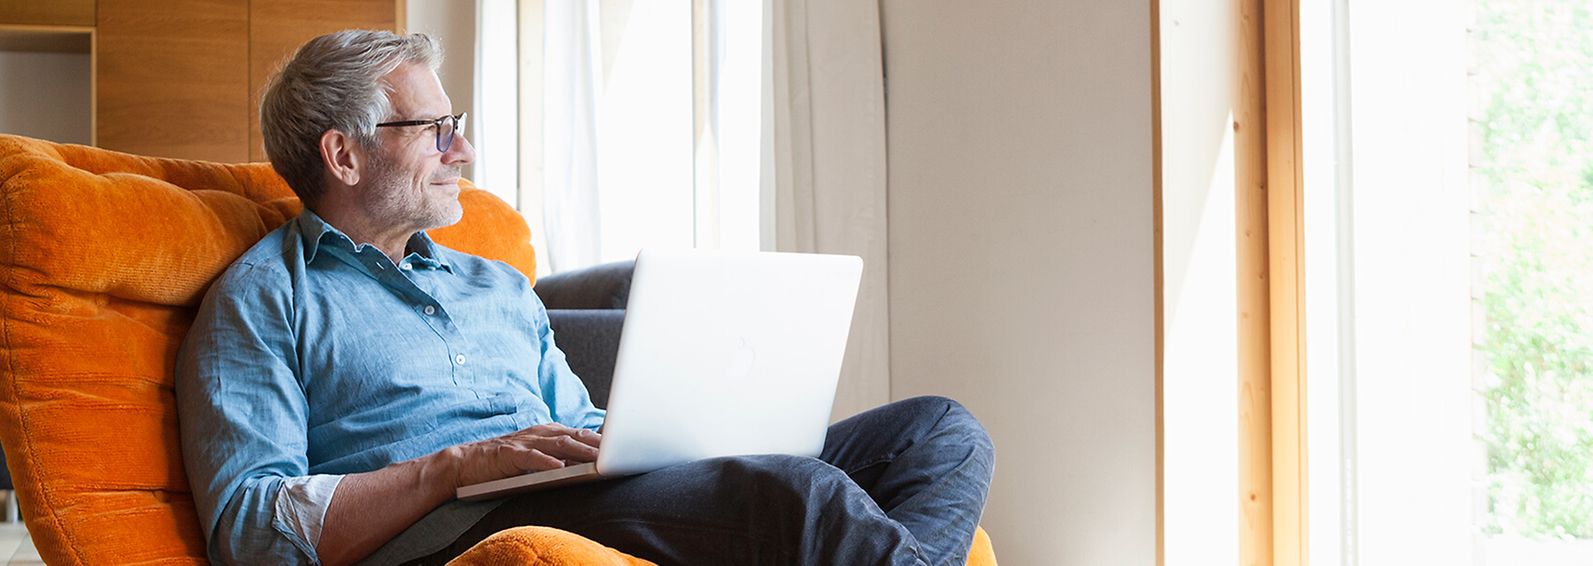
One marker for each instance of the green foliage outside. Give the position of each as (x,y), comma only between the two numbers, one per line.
(1532,158)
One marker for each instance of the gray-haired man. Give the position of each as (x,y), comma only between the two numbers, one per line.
(346,374)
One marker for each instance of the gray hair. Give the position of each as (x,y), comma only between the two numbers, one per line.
(333,82)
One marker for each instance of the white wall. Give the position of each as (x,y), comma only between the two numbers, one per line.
(1020,210)
(45,95)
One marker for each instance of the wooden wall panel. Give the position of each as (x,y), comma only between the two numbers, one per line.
(1252,283)
(172,78)
(47,12)
(1286,268)
(278,27)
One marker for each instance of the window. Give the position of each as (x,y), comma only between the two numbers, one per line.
(623,123)
(1532,176)
(1448,184)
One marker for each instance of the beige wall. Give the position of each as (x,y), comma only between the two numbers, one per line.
(1020,199)
(45,95)
(454,25)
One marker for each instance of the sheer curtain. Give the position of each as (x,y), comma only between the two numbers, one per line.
(617,137)
(783,145)
(571,84)
(824,164)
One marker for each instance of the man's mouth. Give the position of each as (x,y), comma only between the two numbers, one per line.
(451,178)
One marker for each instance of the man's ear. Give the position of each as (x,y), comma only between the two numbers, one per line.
(342,156)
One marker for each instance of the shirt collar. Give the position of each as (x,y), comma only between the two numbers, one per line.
(421,245)
(318,232)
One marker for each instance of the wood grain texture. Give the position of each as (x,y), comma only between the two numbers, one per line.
(1286,269)
(171,78)
(47,12)
(278,27)
(1250,201)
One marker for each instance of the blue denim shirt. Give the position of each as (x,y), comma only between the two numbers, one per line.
(312,355)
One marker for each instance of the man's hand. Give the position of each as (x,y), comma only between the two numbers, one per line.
(542,447)
(371,507)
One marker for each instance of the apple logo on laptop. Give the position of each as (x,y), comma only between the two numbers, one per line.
(741,361)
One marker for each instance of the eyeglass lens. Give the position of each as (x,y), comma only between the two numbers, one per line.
(447,127)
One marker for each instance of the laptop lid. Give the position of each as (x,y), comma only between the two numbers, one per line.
(727,353)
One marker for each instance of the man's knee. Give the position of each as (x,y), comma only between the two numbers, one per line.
(950,416)
(788,494)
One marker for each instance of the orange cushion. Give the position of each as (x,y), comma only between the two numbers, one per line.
(104,258)
(543,546)
(982,553)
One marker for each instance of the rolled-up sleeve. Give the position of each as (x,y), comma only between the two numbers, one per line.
(242,415)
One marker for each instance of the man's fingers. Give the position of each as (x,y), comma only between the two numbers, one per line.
(550,430)
(534,460)
(588,437)
(546,429)
(568,448)
(535,449)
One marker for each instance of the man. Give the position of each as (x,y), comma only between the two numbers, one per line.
(346,374)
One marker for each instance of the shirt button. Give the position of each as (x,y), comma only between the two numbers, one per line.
(405,267)
(459,359)
(429,310)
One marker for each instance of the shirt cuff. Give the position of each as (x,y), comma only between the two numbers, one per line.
(300,509)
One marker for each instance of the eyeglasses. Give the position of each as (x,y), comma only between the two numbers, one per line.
(447,127)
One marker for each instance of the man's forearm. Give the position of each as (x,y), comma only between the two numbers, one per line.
(370,508)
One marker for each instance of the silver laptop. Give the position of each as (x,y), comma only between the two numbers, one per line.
(721,354)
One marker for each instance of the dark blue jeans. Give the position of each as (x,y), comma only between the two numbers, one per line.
(900,484)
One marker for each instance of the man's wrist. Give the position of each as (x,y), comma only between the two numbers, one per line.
(437,475)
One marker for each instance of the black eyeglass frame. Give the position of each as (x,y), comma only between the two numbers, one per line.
(442,145)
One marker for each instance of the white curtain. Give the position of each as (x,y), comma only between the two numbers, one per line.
(820,170)
(824,164)
(572,75)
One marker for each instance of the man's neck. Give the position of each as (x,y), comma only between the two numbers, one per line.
(362,230)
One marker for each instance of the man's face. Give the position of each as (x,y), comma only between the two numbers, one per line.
(408,183)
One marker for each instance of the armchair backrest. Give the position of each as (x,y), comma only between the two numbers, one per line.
(104,257)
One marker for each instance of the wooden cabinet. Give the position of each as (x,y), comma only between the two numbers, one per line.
(181,78)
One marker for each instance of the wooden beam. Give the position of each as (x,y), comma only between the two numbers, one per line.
(1286,269)
(1250,201)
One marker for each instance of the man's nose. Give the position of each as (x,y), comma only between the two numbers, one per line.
(460,152)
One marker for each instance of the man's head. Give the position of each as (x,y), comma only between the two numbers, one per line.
(320,114)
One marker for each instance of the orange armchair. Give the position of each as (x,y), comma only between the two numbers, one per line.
(104,258)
